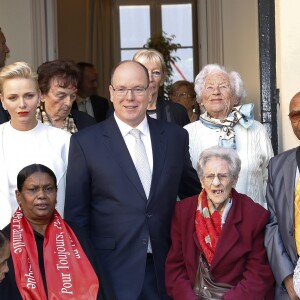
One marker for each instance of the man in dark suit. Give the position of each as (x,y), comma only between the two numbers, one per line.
(87,99)
(4,50)
(107,194)
(280,239)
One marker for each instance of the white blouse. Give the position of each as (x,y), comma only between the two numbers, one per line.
(44,145)
(254,149)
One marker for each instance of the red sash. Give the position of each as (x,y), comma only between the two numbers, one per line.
(69,274)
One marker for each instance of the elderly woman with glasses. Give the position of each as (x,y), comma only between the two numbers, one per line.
(229,124)
(223,226)
(160,108)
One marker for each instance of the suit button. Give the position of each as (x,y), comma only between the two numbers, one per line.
(144,241)
(148,216)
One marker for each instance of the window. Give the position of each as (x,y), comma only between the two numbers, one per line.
(138,20)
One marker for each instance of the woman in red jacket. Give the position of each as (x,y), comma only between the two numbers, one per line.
(226,227)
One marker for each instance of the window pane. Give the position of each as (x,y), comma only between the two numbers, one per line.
(184,68)
(128,54)
(134,25)
(177,20)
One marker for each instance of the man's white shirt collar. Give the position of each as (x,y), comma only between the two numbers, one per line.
(125,128)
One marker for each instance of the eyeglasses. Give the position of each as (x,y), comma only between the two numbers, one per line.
(136,91)
(222,177)
(210,88)
(294,116)
(184,95)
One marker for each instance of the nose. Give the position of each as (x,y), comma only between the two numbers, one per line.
(22,103)
(129,95)
(150,75)
(216,90)
(6,49)
(41,194)
(216,181)
(95,84)
(69,100)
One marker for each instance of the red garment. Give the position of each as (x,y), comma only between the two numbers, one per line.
(240,257)
(208,227)
(64,260)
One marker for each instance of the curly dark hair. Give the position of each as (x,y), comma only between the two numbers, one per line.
(65,72)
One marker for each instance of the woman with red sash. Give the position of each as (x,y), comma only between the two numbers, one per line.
(50,258)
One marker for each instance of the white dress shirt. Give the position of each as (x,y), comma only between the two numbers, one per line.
(130,140)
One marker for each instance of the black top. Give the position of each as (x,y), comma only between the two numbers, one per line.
(171,112)
(82,119)
(100,107)
(9,289)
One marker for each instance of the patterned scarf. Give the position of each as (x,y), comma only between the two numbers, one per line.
(209,225)
(65,262)
(242,115)
(69,124)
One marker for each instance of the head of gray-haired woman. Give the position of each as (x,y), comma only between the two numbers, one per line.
(219,90)
(218,171)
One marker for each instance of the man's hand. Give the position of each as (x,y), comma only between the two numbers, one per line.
(288,282)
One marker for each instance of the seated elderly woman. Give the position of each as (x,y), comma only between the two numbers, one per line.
(50,259)
(223,226)
(228,124)
(4,255)
(58,84)
(182,92)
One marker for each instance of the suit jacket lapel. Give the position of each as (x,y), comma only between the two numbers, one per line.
(116,145)
(289,183)
(159,152)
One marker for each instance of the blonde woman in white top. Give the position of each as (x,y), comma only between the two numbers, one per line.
(24,140)
(227,123)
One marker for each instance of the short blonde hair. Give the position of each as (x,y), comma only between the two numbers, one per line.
(17,70)
(152,56)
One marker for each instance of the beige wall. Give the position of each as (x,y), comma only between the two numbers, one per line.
(241,45)
(288,65)
(71,19)
(15,21)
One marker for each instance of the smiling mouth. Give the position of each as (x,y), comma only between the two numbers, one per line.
(130,107)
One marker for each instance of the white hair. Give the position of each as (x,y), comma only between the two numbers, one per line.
(235,79)
(228,154)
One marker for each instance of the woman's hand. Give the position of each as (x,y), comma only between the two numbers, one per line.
(288,282)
